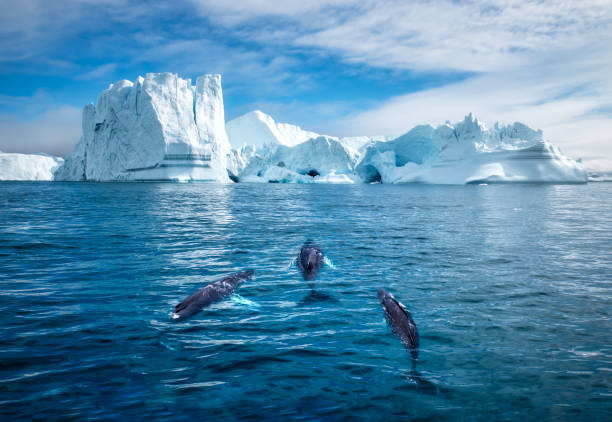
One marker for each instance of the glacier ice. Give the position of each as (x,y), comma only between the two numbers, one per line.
(39,167)
(160,127)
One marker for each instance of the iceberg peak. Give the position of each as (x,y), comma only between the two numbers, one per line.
(258,129)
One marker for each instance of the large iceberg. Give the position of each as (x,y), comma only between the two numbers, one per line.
(39,167)
(469,152)
(160,127)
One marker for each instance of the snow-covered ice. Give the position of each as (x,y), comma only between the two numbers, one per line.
(39,167)
(468,152)
(321,159)
(160,127)
(258,129)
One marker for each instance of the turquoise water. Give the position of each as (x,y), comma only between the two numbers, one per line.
(509,285)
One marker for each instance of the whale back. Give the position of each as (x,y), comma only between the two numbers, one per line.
(400,321)
(209,294)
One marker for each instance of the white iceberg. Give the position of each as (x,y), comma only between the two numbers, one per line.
(267,151)
(468,152)
(37,167)
(160,127)
(321,159)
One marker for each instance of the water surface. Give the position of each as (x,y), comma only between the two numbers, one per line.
(510,286)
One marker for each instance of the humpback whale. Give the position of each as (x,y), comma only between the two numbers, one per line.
(404,327)
(209,294)
(310,261)
(401,323)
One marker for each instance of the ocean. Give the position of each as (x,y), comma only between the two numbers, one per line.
(510,287)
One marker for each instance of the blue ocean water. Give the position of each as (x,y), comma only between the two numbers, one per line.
(510,287)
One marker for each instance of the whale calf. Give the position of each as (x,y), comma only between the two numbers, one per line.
(310,261)
(209,294)
(401,323)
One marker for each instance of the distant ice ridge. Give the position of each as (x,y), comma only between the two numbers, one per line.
(258,129)
(597,176)
(38,167)
(460,153)
(160,127)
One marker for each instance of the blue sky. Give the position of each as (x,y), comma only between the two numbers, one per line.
(340,67)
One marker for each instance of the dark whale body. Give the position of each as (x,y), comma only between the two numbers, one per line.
(209,294)
(401,323)
(403,326)
(310,261)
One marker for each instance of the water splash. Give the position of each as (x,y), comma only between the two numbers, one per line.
(291,264)
(242,301)
(329,263)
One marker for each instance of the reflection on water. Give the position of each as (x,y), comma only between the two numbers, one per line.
(509,286)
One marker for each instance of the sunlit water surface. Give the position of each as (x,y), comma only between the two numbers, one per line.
(510,287)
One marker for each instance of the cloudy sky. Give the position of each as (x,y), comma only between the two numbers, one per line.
(339,67)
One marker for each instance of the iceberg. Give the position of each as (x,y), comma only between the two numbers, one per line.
(469,152)
(163,128)
(267,151)
(599,176)
(321,159)
(37,167)
(160,127)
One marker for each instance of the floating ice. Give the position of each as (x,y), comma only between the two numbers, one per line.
(39,167)
(468,152)
(160,127)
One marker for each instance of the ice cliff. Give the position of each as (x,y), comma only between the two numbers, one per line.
(37,167)
(160,127)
